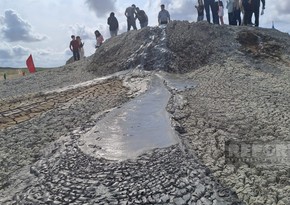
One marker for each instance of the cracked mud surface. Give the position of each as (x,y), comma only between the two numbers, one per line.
(238,103)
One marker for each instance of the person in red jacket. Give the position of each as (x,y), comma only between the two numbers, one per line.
(74,47)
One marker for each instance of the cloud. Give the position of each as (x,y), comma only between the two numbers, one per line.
(16,29)
(8,52)
(182,9)
(101,7)
(82,31)
(283,7)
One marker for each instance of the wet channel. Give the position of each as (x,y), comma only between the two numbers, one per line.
(138,126)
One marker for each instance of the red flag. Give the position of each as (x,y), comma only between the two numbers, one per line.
(30,64)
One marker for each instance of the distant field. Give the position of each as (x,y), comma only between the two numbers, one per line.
(12,73)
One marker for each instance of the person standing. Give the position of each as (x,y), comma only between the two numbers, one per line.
(221,12)
(130,13)
(237,13)
(163,16)
(200,10)
(113,24)
(231,14)
(247,12)
(215,9)
(255,8)
(81,47)
(74,47)
(99,39)
(208,4)
(142,17)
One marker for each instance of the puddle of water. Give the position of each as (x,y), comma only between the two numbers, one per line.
(176,81)
(140,125)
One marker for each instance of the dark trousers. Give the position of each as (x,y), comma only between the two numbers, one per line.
(237,14)
(232,20)
(207,4)
(214,11)
(131,22)
(76,55)
(256,12)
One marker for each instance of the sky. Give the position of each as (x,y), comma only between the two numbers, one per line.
(43,27)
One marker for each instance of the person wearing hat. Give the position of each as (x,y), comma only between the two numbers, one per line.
(130,13)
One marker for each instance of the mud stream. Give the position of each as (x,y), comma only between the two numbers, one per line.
(138,126)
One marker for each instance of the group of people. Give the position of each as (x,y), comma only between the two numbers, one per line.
(132,13)
(235,7)
(76,46)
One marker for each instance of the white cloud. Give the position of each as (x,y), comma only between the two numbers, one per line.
(11,52)
(14,28)
(82,31)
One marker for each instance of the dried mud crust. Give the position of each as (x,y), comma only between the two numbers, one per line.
(235,101)
(28,124)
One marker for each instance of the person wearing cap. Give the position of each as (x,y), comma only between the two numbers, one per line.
(163,16)
(130,13)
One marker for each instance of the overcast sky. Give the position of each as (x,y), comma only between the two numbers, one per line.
(43,28)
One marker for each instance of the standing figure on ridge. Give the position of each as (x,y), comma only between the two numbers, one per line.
(231,14)
(213,4)
(163,16)
(142,17)
(130,13)
(113,24)
(255,8)
(200,10)
(237,13)
(81,47)
(221,12)
(74,47)
(99,38)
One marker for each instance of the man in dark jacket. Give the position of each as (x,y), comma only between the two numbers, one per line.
(255,8)
(113,24)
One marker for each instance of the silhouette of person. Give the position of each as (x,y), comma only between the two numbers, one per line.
(74,47)
(163,16)
(130,13)
(113,24)
(142,17)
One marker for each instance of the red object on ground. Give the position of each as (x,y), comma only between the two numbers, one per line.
(30,64)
